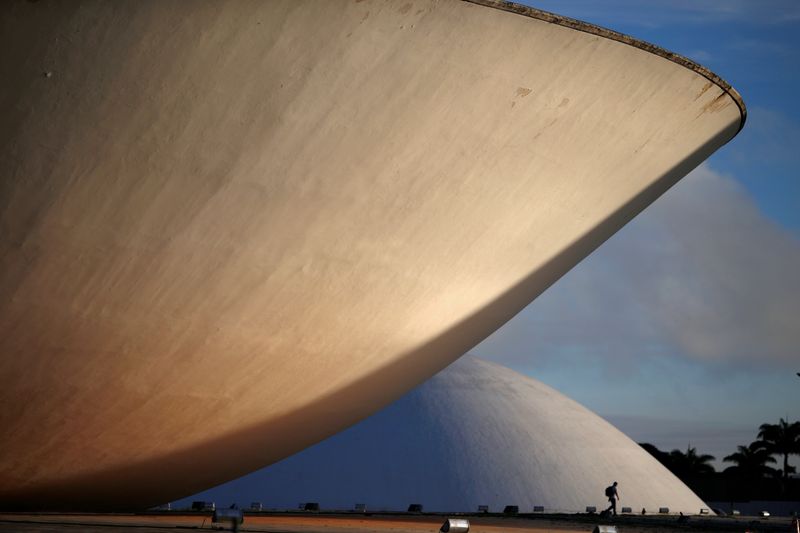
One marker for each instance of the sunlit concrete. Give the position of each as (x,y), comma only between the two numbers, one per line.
(230,229)
(475,434)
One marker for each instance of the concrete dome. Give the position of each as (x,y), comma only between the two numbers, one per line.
(475,434)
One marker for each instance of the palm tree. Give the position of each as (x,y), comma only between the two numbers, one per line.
(750,462)
(689,464)
(661,457)
(781,439)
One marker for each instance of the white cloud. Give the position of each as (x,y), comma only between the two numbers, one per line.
(701,274)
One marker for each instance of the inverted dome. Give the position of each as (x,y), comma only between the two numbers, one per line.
(475,434)
(231,229)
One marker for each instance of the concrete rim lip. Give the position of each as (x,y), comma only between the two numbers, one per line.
(586,27)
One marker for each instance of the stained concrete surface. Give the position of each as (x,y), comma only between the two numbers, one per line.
(231,229)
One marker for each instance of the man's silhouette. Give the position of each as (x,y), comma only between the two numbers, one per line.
(613,496)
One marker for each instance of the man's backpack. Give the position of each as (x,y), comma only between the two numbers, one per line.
(609,491)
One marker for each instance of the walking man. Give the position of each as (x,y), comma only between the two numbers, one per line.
(613,496)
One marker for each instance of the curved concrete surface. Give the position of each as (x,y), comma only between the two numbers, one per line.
(475,434)
(230,229)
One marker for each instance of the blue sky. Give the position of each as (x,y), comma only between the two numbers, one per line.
(684,328)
